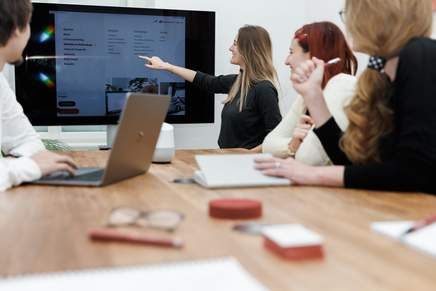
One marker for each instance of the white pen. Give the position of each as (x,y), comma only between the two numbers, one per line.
(332,62)
(142,57)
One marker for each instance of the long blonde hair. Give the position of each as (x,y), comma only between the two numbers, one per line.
(378,28)
(255,49)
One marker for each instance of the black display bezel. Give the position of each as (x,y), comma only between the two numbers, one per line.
(39,103)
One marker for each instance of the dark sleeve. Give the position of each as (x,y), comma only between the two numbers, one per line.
(412,163)
(221,84)
(396,175)
(268,102)
(330,134)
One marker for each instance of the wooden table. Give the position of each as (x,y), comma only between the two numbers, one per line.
(45,229)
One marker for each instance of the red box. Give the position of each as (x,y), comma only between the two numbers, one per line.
(293,242)
(296,253)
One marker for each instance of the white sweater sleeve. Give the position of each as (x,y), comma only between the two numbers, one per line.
(14,171)
(17,138)
(276,142)
(338,92)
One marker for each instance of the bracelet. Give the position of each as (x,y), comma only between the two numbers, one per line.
(291,153)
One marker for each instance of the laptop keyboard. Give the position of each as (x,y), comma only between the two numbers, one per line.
(91,176)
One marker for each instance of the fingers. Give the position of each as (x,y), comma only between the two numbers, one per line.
(295,78)
(64,167)
(306,119)
(148,59)
(266,165)
(300,75)
(318,63)
(304,126)
(299,136)
(301,131)
(307,67)
(267,160)
(277,172)
(66,160)
(303,72)
(152,62)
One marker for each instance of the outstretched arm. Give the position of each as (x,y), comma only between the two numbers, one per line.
(157,63)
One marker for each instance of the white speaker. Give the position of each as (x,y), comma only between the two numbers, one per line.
(165,148)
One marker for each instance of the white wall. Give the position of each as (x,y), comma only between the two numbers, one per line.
(328,10)
(280,19)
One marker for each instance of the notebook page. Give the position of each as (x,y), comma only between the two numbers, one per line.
(211,275)
(423,239)
(393,229)
(235,170)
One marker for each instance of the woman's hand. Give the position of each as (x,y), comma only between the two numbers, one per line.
(307,81)
(298,173)
(157,63)
(50,162)
(307,78)
(300,132)
(301,174)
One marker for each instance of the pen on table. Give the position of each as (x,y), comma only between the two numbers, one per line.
(107,234)
(421,224)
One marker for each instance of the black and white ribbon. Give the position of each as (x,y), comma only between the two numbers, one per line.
(377,63)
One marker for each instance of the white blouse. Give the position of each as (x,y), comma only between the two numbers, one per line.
(338,92)
(17,138)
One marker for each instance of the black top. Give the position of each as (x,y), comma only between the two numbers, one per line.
(260,114)
(408,154)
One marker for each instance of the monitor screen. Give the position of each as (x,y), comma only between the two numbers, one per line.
(81,61)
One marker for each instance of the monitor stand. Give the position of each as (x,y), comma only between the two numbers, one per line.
(111,131)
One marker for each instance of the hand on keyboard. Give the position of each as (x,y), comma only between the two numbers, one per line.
(60,175)
(50,162)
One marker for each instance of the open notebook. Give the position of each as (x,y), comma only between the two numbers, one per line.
(234,170)
(212,275)
(423,240)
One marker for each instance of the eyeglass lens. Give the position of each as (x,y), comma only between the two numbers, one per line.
(164,219)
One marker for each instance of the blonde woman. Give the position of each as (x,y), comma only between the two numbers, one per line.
(251,109)
(294,136)
(390,143)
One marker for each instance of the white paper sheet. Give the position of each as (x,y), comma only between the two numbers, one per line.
(211,275)
(423,239)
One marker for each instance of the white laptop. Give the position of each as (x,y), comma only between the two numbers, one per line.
(233,170)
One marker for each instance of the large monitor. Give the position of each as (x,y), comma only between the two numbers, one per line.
(81,61)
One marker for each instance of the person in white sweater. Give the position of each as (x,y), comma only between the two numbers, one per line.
(294,136)
(23,155)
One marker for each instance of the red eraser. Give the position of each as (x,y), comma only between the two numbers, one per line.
(235,208)
(293,242)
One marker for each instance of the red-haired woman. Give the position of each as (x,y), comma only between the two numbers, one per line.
(294,135)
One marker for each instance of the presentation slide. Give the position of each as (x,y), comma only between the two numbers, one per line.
(97,60)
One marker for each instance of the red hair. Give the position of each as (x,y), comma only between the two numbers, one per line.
(325,41)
